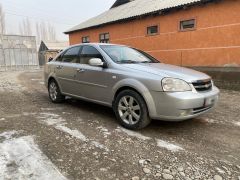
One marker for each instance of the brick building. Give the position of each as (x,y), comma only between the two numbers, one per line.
(180,32)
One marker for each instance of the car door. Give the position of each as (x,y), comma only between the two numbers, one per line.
(66,71)
(96,82)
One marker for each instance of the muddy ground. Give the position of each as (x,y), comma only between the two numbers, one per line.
(81,140)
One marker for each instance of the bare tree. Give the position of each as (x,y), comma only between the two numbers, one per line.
(25,28)
(2,21)
(51,32)
(45,32)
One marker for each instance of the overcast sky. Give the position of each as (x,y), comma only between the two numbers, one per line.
(63,14)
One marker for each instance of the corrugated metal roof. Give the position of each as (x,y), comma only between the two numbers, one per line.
(131,10)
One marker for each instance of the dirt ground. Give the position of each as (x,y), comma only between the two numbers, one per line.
(81,140)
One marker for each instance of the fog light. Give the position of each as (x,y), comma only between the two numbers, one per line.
(185,113)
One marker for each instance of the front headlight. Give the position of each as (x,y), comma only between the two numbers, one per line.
(175,85)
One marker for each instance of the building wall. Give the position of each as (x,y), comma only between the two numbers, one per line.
(214,42)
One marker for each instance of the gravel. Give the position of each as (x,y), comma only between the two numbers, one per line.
(84,141)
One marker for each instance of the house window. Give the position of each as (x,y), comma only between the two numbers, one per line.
(187,24)
(104,38)
(152,30)
(86,39)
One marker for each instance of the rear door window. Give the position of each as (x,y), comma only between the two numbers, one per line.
(72,55)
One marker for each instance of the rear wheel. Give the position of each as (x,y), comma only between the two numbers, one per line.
(131,110)
(54,92)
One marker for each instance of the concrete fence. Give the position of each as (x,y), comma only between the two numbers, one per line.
(18,53)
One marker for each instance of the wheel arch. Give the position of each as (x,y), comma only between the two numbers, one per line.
(50,78)
(139,88)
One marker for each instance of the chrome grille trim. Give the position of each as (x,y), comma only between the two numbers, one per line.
(203,85)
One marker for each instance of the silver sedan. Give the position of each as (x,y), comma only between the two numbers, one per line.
(138,87)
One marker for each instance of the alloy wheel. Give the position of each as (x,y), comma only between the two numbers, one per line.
(53,91)
(129,110)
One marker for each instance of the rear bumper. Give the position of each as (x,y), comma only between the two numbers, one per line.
(179,106)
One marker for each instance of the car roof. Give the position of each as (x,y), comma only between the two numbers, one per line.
(97,44)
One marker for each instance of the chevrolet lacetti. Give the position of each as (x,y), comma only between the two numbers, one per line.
(136,85)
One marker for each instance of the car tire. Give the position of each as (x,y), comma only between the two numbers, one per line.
(131,110)
(54,92)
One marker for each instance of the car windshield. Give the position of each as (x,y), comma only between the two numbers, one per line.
(127,55)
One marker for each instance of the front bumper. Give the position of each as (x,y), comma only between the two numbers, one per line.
(179,106)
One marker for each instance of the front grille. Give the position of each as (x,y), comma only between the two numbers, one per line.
(203,85)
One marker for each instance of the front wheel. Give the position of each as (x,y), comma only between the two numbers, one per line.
(131,110)
(54,92)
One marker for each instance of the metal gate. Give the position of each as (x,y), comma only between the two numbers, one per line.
(18,52)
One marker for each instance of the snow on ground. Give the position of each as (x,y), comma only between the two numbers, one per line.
(8,135)
(211,121)
(2,119)
(132,133)
(75,133)
(104,131)
(36,79)
(20,158)
(9,82)
(237,123)
(51,109)
(160,143)
(59,123)
(168,146)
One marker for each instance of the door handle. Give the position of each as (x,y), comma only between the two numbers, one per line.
(59,67)
(80,70)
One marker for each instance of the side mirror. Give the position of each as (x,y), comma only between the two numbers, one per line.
(97,62)
(50,59)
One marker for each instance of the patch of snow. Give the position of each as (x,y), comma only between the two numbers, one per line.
(21,158)
(220,170)
(237,123)
(211,121)
(51,119)
(2,119)
(50,109)
(36,79)
(66,113)
(104,131)
(42,83)
(9,82)
(98,145)
(59,123)
(75,133)
(28,114)
(14,116)
(8,134)
(133,134)
(47,115)
(168,146)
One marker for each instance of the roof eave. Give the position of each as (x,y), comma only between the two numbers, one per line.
(159,12)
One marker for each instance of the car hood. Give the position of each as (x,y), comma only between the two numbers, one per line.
(165,70)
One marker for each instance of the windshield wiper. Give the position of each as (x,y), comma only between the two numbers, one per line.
(144,62)
(127,62)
